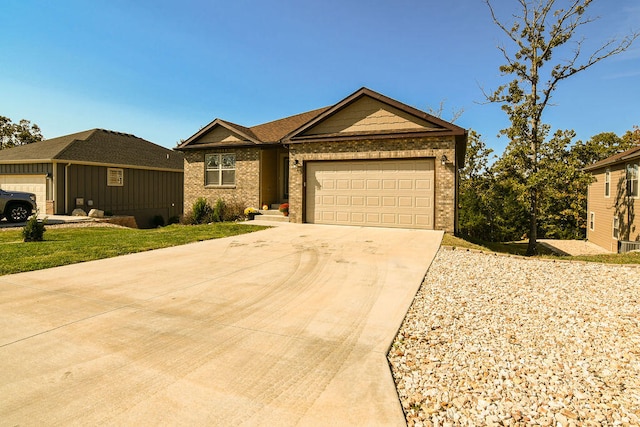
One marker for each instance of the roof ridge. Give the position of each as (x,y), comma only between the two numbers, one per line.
(614,158)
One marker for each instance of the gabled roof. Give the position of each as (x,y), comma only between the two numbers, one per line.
(630,154)
(96,146)
(295,129)
(439,126)
(263,134)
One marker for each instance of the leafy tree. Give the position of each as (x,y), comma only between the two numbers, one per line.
(537,33)
(14,134)
(475,182)
(563,189)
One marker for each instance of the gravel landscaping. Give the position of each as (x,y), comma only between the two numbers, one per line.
(496,340)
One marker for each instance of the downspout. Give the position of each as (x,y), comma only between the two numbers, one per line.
(54,181)
(66,187)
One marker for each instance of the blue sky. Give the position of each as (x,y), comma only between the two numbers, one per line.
(163,69)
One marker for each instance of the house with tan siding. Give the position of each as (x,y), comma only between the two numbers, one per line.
(367,160)
(612,200)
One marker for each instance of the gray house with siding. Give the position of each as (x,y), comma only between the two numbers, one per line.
(102,169)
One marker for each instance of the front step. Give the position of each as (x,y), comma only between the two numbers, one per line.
(272,215)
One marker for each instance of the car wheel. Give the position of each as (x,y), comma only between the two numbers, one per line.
(18,213)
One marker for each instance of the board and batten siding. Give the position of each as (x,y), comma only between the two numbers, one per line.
(144,193)
(26,168)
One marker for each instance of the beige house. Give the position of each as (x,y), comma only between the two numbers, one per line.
(612,200)
(368,160)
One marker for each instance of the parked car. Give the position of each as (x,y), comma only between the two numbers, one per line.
(16,206)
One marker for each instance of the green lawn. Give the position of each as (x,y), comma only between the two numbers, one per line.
(71,245)
(520,248)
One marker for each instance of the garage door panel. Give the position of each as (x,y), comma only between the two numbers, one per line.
(357,201)
(372,217)
(389,184)
(405,202)
(357,184)
(390,202)
(328,201)
(342,184)
(423,202)
(406,220)
(423,184)
(373,184)
(405,184)
(36,184)
(373,202)
(342,200)
(396,193)
(328,184)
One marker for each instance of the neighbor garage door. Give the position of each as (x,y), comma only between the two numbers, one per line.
(380,193)
(36,184)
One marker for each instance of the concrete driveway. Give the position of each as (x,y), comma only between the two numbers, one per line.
(287,326)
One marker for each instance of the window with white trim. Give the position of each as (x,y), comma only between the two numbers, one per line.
(607,183)
(220,169)
(592,221)
(632,180)
(616,227)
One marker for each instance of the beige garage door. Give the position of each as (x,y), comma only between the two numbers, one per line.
(36,184)
(379,193)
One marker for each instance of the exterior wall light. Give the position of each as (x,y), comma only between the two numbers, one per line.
(444,160)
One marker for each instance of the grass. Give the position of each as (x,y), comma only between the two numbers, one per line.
(72,245)
(520,248)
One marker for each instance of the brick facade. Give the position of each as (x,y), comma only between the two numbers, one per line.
(246,190)
(397,148)
(365,125)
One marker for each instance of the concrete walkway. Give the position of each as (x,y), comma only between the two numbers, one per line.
(286,326)
(573,247)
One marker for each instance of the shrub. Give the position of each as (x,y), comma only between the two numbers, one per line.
(33,230)
(157,221)
(174,220)
(233,211)
(218,211)
(201,211)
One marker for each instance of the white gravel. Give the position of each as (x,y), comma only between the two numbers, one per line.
(494,340)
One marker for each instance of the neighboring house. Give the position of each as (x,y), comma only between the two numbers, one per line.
(111,171)
(367,160)
(612,200)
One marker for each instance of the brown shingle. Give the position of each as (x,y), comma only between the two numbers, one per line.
(276,130)
(97,146)
(616,158)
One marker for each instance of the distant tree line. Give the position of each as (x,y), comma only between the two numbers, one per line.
(14,134)
(494,197)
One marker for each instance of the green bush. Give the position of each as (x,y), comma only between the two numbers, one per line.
(33,230)
(218,211)
(174,220)
(201,211)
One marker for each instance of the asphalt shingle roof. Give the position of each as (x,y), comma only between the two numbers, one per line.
(616,158)
(97,146)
